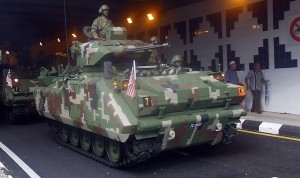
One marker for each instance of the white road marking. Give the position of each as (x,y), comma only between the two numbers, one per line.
(2,173)
(2,166)
(23,165)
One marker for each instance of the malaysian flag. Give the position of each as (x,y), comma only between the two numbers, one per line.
(8,79)
(131,90)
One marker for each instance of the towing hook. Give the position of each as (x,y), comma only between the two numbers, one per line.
(171,135)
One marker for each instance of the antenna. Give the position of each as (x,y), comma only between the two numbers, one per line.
(66,29)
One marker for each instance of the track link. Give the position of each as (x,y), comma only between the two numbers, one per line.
(127,161)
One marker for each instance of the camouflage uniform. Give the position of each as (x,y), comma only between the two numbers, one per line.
(100,26)
(176,66)
(154,58)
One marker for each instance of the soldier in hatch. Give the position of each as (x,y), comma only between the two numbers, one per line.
(176,66)
(101,23)
(154,58)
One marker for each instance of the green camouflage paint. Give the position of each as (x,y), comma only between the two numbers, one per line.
(181,110)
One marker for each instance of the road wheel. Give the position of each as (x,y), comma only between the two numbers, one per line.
(74,137)
(114,151)
(64,133)
(86,141)
(99,145)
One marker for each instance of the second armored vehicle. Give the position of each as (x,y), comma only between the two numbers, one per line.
(16,95)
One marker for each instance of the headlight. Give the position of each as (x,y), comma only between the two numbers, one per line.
(125,85)
(120,85)
(115,83)
(16,80)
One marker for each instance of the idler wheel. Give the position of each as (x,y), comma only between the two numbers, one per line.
(114,151)
(98,145)
(64,133)
(86,141)
(74,137)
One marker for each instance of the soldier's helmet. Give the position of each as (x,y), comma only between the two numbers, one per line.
(103,8)
(177,58)
(154,39)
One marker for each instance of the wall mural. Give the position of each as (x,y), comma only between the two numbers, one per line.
(282,58)
(262,57)
(279,7)
(243,33)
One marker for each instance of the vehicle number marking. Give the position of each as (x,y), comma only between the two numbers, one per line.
(195,125)
(147,101)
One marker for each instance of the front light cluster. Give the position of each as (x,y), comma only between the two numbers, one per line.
(242,91)
(120,85)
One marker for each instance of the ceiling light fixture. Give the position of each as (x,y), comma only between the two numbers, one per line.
(129,20)
(150,16)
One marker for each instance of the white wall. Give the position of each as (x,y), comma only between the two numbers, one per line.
(284,96)
(284,87)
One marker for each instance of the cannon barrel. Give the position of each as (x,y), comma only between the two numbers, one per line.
(142,48)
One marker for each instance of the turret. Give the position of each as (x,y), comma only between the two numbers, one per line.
(115,47)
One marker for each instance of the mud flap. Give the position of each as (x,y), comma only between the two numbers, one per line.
(229,133)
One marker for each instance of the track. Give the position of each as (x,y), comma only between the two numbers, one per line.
(128,159)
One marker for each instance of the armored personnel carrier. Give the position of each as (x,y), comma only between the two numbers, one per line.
(16,95)
(91,113)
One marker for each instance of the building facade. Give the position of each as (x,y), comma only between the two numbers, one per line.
(212,33)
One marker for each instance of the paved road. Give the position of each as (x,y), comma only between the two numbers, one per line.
(249,156)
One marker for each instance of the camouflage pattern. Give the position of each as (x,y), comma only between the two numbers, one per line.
(18,100)
(100,26)
(154,58)
(169,111)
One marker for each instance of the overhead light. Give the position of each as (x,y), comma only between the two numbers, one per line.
(41,44)
(7,52)
(129,20)
(150,16)
(256,26)
(58,40)
(73,34)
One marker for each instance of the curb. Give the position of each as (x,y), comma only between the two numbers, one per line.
(270,128)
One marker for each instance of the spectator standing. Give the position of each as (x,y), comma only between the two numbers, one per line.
(254,81)
(231,75)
